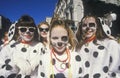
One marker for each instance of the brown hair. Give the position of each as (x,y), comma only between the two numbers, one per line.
(26,20)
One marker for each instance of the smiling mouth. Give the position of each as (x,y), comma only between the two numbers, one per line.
(59,48)
(28,36)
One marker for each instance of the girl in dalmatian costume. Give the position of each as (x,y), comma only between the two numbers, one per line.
(61,61)
(100,53)
(20,58)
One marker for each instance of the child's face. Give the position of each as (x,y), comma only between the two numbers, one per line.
(44,30)
(59,39)
(26,33)
(89,27)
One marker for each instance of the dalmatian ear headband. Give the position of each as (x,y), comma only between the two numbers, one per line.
(11,31)
(107,23)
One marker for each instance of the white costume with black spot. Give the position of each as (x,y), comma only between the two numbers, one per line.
(49,70)
(101,60)
(20,59)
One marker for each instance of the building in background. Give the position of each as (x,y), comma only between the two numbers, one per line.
(70,10)
(74,10)
(48,19)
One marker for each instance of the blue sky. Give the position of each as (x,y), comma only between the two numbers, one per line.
(38,9)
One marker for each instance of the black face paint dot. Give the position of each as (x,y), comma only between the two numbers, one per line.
(86,76)
(97,75)
(80,70)
(42,74)
(86,50)
(101,47)
(40,62)
(77,58)
(59,43)
(34,51)
(113,74)
(95,54)
(23,49)
(105,69)
(87,64)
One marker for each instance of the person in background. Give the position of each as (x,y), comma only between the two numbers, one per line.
(4,40)
(100,54)
(43,28)
(21,58)
(61,61)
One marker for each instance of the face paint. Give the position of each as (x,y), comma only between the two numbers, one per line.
(59,39)
(89,27)
(27,35)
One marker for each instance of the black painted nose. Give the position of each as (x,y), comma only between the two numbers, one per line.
(59,44)
(87,28)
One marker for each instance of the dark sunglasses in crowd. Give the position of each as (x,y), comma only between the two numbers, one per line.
(24,29)
(44,29)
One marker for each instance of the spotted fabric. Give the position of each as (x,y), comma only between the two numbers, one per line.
(101,60)
(18,60)
(47,69)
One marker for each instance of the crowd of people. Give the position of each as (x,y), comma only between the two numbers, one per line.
(55,51)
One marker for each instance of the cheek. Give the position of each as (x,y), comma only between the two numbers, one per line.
(53,42)
(84,28)
(94,29)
